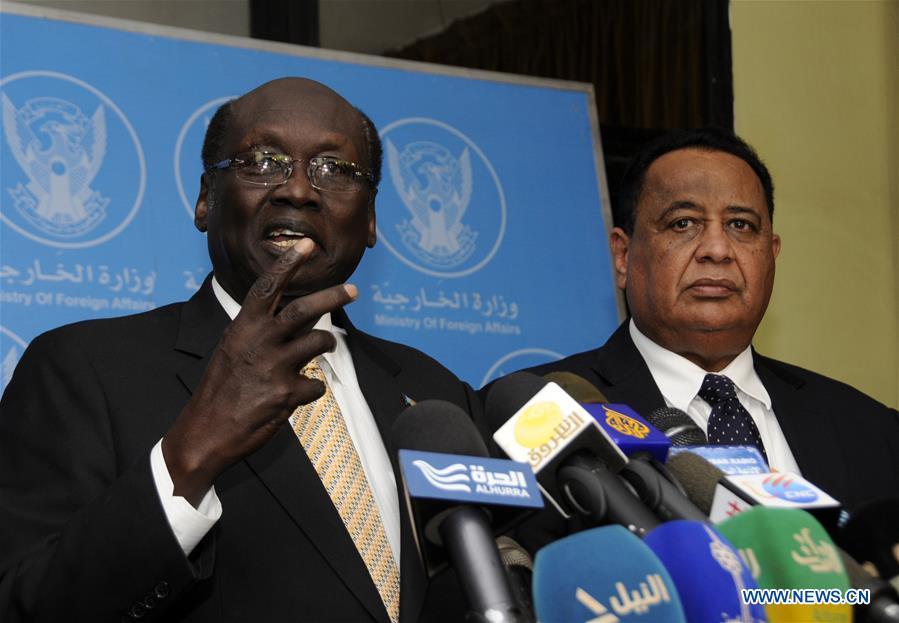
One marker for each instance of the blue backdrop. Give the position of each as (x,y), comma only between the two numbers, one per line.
(492,239)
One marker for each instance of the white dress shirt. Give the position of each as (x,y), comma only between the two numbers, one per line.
(679,381)
(190,524)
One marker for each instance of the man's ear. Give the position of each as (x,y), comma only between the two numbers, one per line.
(372,221)
(204,201)
(775,245)
(619,243)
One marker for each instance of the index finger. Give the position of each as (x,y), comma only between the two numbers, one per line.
(303,312)
(265,293)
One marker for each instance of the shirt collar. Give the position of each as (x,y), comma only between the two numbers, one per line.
(679,379)
(232,308)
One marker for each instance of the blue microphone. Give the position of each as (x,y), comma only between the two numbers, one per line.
(706,570)
(606,575)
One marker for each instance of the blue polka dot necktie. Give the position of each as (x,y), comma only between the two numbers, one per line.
(729,422)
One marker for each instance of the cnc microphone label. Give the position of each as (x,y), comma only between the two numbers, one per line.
(471,479)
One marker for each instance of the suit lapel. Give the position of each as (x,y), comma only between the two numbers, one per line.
(281,465)
(202,322)
(814,441)
(625,375)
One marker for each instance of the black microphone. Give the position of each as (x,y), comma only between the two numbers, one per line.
(577,387)
(883,606)
(649,478)
(677,426)
(699,477)
(520,571)
(462,530)
(575,461)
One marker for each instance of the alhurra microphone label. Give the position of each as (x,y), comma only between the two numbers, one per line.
(477,480)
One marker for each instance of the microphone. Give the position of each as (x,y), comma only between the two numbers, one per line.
(520,571)
(685,435)
(702,481)
(630,432)
(575,462)
(788,549)
(576,386)
(643,444)
(706,570)
(603,575)
(872,534)
(884,604)
(678,427)
(722,496)
(439,490)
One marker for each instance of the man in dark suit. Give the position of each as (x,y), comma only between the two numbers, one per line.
(694,253)
(177,465)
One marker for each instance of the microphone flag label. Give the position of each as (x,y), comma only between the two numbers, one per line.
(629,431)
(547,424)
(739,492)
(469,479)
(784,490)
(549,427)
(729,459)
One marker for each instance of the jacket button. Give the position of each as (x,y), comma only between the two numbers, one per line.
(137,611)
(161,590)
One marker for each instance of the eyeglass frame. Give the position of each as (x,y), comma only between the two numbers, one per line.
(287,162)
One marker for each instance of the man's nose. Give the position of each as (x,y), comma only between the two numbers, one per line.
(714,243)
(298,189)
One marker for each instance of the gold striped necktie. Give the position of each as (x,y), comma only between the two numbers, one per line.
(322,431)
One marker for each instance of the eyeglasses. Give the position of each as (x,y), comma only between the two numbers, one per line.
(270,169)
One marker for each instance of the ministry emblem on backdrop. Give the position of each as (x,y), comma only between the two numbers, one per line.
(73,170)
(443,210)
(519,360)
(188,166)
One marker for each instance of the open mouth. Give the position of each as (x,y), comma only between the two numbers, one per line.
(284,238)
(281,236)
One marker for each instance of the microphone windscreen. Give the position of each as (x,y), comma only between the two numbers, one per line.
(706,570)
(437,426)
(513,554)
(698,477)
(508,395)
(603,574)
(577,387)
(677,426)
(788,548)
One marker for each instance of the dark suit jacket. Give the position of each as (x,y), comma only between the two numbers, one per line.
(83,536)
(844,441)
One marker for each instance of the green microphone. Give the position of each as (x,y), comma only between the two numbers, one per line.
(787,549)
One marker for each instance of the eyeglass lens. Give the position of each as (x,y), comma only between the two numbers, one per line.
(323,173)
